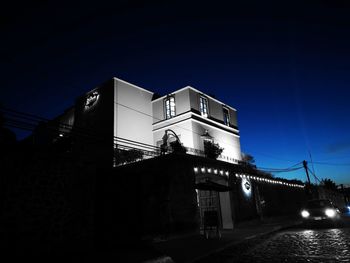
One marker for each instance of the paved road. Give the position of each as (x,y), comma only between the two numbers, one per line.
(314,244)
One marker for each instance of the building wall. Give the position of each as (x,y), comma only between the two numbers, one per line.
(215,107)
(66,120)
(189,125)
(230,142)
(182,105)
(94,126)
(183,129)
(132,112)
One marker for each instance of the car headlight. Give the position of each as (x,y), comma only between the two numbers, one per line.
(305,214)
(330,212)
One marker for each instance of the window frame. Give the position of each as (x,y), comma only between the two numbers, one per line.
(206,106)
(172,113)
(226,121)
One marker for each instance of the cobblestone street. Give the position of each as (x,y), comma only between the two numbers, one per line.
(295,245)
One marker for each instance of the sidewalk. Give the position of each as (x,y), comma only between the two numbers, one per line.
(195,247)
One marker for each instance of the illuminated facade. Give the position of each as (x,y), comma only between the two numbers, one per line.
(191,114)
(128,117)
(120,116)
(118,109)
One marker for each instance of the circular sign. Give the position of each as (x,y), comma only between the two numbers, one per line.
(91,99)
(246,187)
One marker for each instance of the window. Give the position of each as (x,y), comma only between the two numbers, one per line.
(203,106)
(169,107)
(226,116)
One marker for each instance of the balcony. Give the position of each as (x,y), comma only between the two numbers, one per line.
(126,151)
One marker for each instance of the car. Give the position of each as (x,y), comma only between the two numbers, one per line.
(320,210)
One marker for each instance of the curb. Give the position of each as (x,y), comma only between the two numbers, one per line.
(234,243)
(162,259)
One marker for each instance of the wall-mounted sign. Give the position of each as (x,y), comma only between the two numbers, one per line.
(91,100)
(246,187)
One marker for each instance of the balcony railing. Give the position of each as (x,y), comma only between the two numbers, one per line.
(128,152)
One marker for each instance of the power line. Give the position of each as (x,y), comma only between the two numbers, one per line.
(282,170)
(316,178)
(30,122)
(274,157)
(28,119)
(333,164)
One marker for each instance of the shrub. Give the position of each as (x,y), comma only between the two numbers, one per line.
(212,150)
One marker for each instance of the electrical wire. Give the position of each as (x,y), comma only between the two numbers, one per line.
(332,164)
(314,175)
(30,122)
(34,120)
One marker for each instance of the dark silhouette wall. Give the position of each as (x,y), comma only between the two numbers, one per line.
(153,197)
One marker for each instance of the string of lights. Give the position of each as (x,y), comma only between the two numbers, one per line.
(226,173)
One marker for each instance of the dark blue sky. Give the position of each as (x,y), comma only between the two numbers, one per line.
(283,65)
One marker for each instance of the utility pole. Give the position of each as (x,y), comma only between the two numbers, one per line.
(307,172)
(309,190)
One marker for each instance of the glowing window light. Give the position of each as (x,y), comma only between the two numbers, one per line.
(221,172)
(215,171)
(195,169)
(227,173)
(209,170)
(203,170)
(237,175)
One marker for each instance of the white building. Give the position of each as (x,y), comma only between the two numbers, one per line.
(140,116)
(191,114)
(121,115)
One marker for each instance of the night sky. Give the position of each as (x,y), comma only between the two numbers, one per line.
(283,65)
